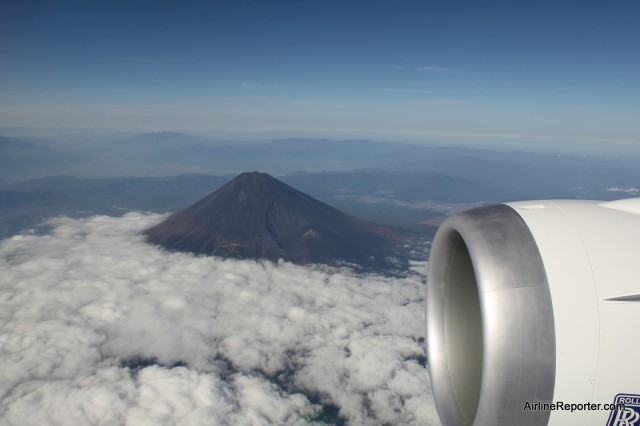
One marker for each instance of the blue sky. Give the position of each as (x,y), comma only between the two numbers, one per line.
(543,70)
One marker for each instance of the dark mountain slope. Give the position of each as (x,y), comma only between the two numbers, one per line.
(258,217)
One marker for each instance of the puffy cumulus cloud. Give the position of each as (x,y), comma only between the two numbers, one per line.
(99,327)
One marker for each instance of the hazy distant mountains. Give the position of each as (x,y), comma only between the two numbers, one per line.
(171,153)
(256,216)
(395,184)
(21,158)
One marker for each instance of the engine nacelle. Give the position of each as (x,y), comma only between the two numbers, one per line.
(536,302)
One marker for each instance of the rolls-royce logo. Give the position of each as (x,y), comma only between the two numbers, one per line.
(630,415)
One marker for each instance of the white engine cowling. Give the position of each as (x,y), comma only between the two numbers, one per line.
(536,302)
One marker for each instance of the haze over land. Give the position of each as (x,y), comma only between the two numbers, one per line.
(511,74)
(402,185)
(114,115)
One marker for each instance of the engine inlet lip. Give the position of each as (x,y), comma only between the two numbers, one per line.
(518,333)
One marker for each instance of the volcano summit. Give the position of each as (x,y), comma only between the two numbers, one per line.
(255,216)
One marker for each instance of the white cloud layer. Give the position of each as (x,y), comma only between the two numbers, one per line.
(100,328)
(625,190)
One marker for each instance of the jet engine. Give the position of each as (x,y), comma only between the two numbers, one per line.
(533,314)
